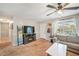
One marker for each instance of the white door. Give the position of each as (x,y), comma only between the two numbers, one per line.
(43,30)
(4,32)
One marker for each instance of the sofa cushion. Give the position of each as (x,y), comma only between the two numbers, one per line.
(62,38)
(73,39)
(71,45)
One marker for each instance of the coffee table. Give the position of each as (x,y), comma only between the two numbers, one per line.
(57,49)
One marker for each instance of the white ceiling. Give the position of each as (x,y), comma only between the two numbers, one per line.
(34,11)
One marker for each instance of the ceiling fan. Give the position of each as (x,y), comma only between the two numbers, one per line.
(61,7)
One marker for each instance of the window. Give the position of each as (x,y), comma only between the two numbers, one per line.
(66,27)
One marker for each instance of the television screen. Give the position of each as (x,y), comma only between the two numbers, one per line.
(29,30)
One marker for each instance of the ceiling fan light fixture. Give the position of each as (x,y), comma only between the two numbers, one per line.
(1,19)
(59,12)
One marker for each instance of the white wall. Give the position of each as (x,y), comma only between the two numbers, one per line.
(40,28)
(26,22)
(0,31)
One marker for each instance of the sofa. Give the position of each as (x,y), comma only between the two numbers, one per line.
(71,41)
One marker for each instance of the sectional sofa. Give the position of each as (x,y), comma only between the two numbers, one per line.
(71,41)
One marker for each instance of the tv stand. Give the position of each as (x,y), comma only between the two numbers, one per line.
(29,38)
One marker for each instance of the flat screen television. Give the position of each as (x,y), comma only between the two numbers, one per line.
(29,29)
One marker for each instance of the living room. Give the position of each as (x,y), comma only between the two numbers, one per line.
(26,26)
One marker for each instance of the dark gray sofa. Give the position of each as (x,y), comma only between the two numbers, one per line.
(71,41)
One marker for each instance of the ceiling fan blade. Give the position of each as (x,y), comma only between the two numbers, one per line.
(66,4)
(51,13)
(50,6)
(71,8)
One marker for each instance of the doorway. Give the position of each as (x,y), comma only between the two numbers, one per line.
(5,34)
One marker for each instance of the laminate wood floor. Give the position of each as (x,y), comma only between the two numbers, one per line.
(36,48)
